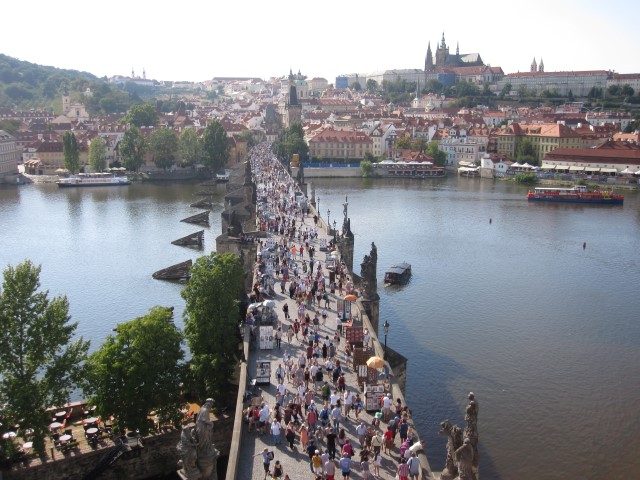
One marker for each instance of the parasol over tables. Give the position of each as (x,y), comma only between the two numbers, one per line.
(269,303)
(350,298)
(375,362)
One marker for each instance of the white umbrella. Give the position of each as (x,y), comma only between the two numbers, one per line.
(269,303)
(254,306)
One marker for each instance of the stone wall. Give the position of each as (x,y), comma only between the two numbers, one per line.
(157,457)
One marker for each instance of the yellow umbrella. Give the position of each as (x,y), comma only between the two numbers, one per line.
(375,362)
(350,298)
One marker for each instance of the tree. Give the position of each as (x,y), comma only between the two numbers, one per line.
(613,90)
(404,142)
(189,147)
(356,86)
(215,146)
(366,167)
(372,85)
(40,363)
(138,370)
(71,152)
(132,149)
(433,86)
(570,96)
(419,144)
(292,141)
(163,145)
(439,157)
(11,126)
(144,115)
(98,154)
(526,152)
(211,321)
(627,91)
(506,90)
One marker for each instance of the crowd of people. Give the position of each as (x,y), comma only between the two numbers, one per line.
(317,408)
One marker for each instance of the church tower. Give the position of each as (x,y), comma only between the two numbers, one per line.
(442,53)
(292,108)
(66,103)
(428,62)
(541,66)
(534,65)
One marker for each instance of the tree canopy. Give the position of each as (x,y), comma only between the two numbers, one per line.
(439,157)
(98,154)
(137,370)
(142,115)
(163,145)
(215,146)
(71,152)
(40,362)
(211,321)
(291,141)
(526,152)
(189,147)
(132,149)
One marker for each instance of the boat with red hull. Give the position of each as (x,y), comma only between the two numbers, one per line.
(577,194)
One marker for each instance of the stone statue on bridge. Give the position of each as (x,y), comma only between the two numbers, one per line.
(464,458)
(198,456)
(454,441)
(368,269)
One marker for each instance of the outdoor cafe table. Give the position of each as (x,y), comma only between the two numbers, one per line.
(61,414)
(91,420)
(55,426)
(8,435)
(65,438)
(92,431)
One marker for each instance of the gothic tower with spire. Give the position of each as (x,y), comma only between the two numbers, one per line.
(428,62)
(534,65)
(541,66)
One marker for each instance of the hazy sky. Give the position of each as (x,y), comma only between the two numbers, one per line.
(200,39)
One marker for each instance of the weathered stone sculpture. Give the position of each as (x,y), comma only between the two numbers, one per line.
(368,269)
(198,456)
(471,431)
(464,458)
(454,434)
(188,452)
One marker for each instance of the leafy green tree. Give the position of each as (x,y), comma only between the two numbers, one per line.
(356,86)
(10,126)
(189,147)
(215,146)
(211,321)
(98,154)
(466,89)
(292,141)
(144,115)
(526,178)
(626,90)
(613,90)
(163,145)
(595,92)
(570,96)
(132,149)
(419,144)
(506,90)
(71,152)
(366,167)
(526,152)
(40,363)
(433,86)
(439,157)
(404,142)
(138,370)
(372,85)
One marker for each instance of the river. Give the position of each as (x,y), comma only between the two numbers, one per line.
(504,301)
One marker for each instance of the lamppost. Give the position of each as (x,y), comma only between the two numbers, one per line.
(328,221)
(334,231)
(385,329)
(318,207)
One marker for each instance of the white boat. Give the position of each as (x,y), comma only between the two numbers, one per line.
(92,180)
(222,177)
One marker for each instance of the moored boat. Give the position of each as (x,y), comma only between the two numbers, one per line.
(576,194)
(402,169)
(222,177)
(398,273)
(92,180)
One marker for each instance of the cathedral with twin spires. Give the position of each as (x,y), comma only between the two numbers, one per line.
(444,59)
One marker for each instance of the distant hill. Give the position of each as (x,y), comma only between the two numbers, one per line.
(25,85)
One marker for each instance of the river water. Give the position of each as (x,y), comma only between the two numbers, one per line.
(503,301)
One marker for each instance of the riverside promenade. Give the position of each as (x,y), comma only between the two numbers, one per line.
(279,208)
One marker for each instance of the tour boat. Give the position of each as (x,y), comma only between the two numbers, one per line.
(222,177)
(402,169)
(397,274)
(92,180)
(576,194)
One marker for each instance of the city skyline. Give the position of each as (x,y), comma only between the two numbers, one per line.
(221,40)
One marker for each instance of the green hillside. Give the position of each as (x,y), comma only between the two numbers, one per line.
(25,85)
